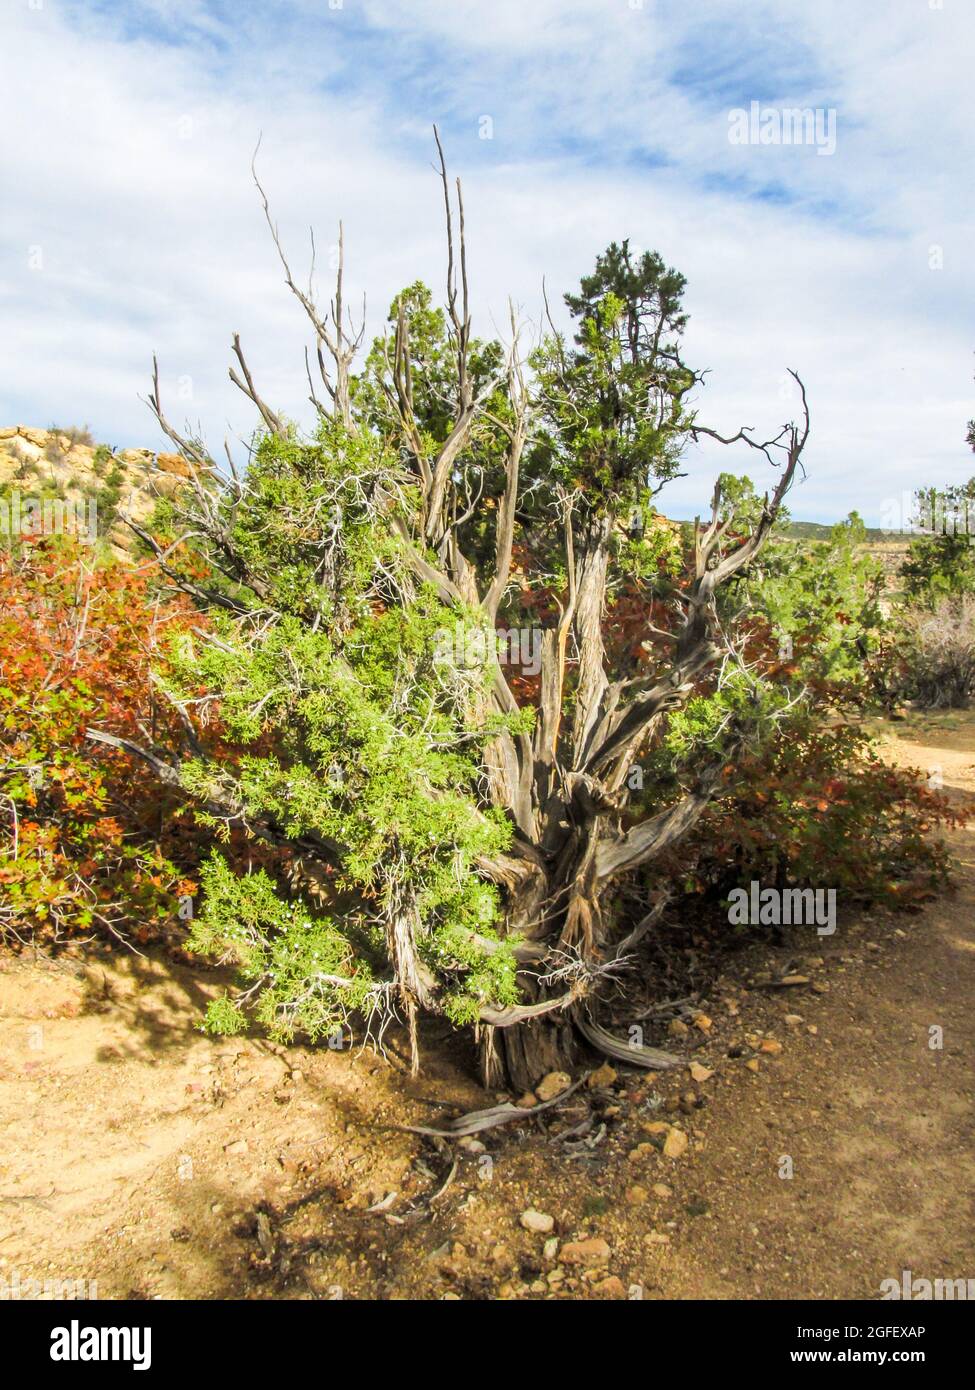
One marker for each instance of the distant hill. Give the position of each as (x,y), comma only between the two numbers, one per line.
(817,531)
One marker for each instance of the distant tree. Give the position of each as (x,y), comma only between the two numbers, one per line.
(935,658)
(941,559)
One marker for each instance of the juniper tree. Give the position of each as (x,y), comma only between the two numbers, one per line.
(462,829)
(941,560)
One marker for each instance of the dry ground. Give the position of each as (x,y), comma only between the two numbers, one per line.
(137,1153)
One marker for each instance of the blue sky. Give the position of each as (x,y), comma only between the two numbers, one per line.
(131,225)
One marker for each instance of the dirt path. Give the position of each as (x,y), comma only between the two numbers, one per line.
(139,1154)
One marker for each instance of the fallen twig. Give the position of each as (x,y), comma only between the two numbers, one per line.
(476,1120)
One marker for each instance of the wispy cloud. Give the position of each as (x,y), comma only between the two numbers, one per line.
(131,226)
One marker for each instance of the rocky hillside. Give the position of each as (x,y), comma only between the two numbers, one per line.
(69,467)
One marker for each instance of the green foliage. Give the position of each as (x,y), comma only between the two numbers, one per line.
(939,567)
(350,732)
(430,367)
(805,621)
(817,603)
(432,374)
(101,458)
(108,497)
(615,406)
(712,724)
(224,1017)
(312,520)
(300,967)
(650,552)
(941,563)
(738,497)
(803,785)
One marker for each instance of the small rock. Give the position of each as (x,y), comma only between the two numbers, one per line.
(581,1252)
(550,1249)
(470,1145)
(655,1127)
(657,1238)
(675,1144)
(636,1195)
(699,1073)
(752,1064)
(538,1222)
(527,1102)
(702,1023)
(239,1146)
(660,1189)
(602,1076)
(641,1152)
(678,1028)
(553,1085)
(770,1046)
(610,1288)
(793,1020)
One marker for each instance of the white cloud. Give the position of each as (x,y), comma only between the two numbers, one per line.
(127,163)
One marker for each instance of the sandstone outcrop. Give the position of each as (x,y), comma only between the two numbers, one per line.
(38,463)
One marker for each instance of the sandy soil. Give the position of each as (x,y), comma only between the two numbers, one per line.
(139,1154)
